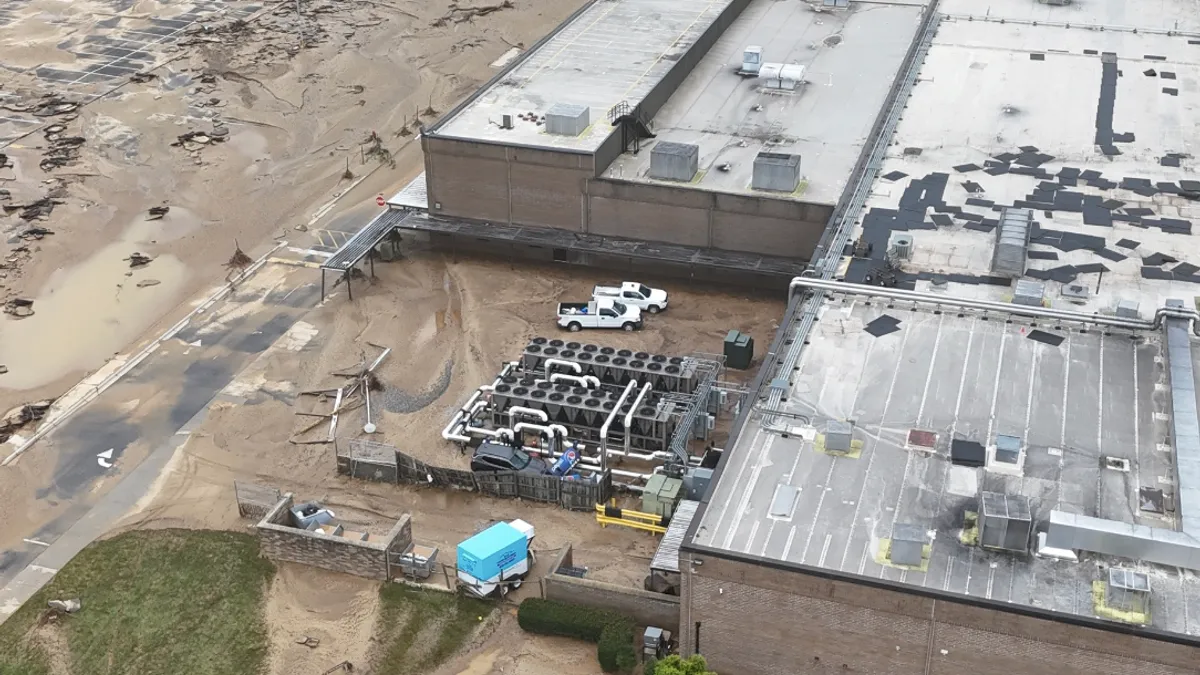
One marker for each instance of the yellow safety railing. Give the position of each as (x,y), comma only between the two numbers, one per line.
(608,514)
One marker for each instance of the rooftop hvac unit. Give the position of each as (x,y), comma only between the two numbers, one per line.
(567,119)
(1027,292)
(908,545)
(776,172)
(838,436)
(785,76)
(1006,523)
(674,161)
(615,367)
(900,246)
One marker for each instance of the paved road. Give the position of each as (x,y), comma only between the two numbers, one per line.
(172,389)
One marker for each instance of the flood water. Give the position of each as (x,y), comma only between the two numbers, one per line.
(87,313)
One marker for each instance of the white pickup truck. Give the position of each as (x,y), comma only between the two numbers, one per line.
(599,313)
(653,300)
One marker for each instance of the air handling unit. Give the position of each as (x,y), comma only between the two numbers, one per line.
(776,172)
(566,119)
(674,161)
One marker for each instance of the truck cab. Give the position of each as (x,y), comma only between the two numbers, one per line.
(652,300)
(599,313)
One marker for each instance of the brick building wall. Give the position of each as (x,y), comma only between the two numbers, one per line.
(754,619)
(649,609)
(360,558)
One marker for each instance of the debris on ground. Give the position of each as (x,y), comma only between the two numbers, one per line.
(49,105)
(308,641)
(157,212)
(463,14)
(138,260)
(63,150)
(69,606)
(344,665)
(14,420)
(237,263)
(141,78)
(5,161)
(194,140)
(3,370)
(34,233)
(375,150)
(39,210)
(350,396)
(19,308)
(146,283)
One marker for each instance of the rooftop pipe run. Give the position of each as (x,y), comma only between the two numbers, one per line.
(449,433)
(990,305)
(575,367)
(629,416)
(608,422)
(581,380)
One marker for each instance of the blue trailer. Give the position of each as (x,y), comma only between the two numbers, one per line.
(496,559)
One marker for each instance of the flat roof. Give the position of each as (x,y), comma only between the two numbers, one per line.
(851,59)
(1085,128)
(611,51)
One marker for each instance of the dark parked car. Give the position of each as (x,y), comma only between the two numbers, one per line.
(498,457)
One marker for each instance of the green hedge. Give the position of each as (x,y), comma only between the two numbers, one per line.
(613,633)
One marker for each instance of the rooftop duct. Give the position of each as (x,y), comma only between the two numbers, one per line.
(567,119)
(1125,540)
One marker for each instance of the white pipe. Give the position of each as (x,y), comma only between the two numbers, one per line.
(454,430)
(629,416)
(985,305)
(518,410)
(550,363)
(608,423)
(582,380)
(548,429)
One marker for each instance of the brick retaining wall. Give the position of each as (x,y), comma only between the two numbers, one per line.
(650,609)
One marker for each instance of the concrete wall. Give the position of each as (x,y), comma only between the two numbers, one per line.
(756,619)
(504,184)
(648,609)
(363,559)
(692,217)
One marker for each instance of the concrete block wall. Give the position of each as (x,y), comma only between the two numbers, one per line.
(757,619)
(367,559)
(649,609)
(506,184)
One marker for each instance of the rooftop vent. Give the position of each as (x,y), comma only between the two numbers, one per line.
(1128,309)
(567,119)
(839,436)
(1006,523)
(674,161)
(776,171)
(900,246)
(1012,241)
(1125,598)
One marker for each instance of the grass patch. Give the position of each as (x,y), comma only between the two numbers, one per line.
(154,602)
(420,629)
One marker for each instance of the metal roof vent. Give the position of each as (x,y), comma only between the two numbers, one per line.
(674,161)
(1125,597)
(1012,242)
(1006,523)
(567,119)
(900,247)
(776,172)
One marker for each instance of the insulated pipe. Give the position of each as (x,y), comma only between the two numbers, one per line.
(629,416)
(450,433)
(582,380)
(550,363)
(518,410)
(608,423)
(986,305)
(549,429)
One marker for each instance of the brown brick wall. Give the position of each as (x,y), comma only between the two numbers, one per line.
(482,181)
(759,620)
(364,559)
(648,609)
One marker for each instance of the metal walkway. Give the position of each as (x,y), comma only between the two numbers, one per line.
(361,244)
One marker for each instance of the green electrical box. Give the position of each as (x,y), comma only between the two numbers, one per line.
(739,350)
(661,495)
